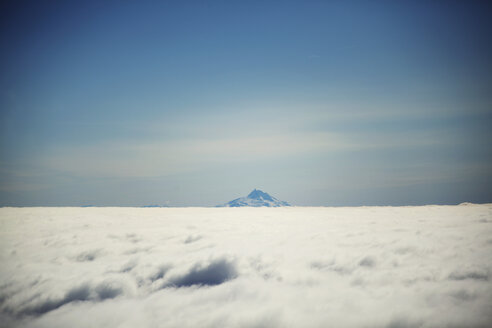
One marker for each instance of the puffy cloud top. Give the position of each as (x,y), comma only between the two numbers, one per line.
(251,267)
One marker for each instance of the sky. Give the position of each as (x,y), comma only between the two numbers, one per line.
(195,103)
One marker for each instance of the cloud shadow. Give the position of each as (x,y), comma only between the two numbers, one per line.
(216,273)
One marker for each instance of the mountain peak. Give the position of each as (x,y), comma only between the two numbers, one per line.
(260,195)
(256,198)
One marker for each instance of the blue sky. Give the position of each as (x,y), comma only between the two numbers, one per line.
(198,102)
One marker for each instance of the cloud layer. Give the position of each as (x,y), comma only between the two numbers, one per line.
(249,267)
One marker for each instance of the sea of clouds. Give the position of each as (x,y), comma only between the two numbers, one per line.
(398,267)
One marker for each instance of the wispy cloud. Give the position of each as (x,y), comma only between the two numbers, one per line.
(148,158)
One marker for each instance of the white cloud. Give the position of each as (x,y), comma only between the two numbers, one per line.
(287,267)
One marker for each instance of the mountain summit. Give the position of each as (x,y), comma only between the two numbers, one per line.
(256,198)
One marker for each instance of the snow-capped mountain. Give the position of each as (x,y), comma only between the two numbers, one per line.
(256,198)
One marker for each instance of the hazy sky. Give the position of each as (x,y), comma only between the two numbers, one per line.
(197,103)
